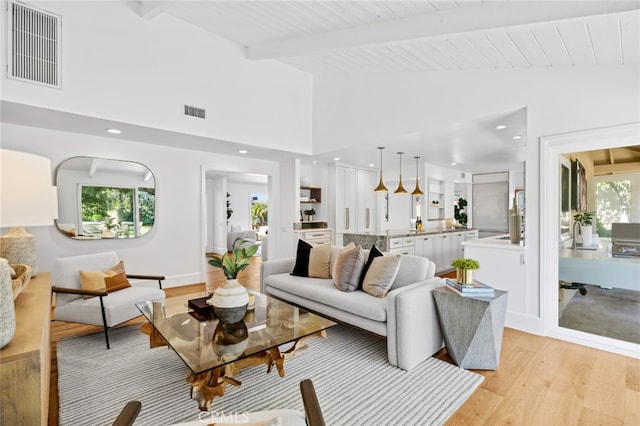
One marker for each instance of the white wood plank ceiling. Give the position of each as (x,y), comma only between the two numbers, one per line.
(323,37)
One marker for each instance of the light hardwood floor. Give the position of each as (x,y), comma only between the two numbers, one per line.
(540,380)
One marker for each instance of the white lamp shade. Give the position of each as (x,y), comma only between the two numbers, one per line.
(26,195)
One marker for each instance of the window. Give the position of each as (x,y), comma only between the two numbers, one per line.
(114,208)
(613,204)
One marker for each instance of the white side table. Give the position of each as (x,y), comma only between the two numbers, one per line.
(472,327)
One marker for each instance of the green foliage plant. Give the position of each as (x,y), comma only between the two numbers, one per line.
(111,223)
(259,213)
(237,261)
(462,263)
(584,218)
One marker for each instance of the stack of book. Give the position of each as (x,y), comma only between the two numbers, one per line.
(477,289)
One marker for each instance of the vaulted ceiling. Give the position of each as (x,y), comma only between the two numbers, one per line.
(419,35)
(327,38)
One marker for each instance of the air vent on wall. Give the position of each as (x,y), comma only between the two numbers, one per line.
(34,45)
(194,111)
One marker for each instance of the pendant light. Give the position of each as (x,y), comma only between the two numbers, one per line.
(381,187)
(417,190)
(400,189)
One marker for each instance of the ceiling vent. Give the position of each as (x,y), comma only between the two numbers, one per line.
(194,111)
(34,45)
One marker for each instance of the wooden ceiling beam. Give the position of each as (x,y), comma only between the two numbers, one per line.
(608,169)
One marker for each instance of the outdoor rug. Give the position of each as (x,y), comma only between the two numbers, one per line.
(354,382)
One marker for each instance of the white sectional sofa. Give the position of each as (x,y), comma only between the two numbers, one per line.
(406,316)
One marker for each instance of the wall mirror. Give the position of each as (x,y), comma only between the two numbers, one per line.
(103,198)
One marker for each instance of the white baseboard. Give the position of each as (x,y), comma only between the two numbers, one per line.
(523,322)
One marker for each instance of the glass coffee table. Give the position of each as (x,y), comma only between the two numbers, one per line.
(215,352)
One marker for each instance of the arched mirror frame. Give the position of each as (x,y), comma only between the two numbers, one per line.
(104,198)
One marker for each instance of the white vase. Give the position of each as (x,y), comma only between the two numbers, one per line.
(230,301)
(7,307)
(586,231)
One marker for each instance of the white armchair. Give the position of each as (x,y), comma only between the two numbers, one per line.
(101,308)
(232,236)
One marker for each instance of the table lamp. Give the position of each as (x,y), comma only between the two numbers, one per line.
(27,198)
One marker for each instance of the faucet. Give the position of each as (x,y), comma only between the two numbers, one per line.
(575,234)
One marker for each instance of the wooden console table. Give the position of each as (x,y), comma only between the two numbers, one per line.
(25,363)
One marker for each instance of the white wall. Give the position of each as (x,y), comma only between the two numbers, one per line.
(366,108)
(119,66)
(175,244)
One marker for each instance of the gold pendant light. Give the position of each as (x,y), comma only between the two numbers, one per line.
(417,190)
(381,187)
(400,189)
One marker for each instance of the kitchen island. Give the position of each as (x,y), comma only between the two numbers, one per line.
(502,267)
(440,246)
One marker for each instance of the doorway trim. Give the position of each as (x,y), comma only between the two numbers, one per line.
(551,147)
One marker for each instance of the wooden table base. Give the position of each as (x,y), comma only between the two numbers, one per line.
(206,386)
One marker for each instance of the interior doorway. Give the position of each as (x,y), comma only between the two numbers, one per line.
(227,201)
(552,150)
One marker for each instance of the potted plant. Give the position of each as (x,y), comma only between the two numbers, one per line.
(110,224)
(230,300)
(585,219)
(464,269)
(310,213)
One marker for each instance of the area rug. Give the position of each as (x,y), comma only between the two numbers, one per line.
(354,382)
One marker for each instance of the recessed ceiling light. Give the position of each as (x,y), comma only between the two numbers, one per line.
(314,161)
(242,151)
(371,165)
(501,126)
(453,164)
(516,137)
(114,131)
(336,158)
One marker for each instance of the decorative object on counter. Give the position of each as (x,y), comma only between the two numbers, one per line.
(230,300)
(400,189)
(464,269)
(419,223)
(515,223)
(7,308)
(417,190)
(585,219)
(309,214)
(459,211)
(381,187)
(28,199)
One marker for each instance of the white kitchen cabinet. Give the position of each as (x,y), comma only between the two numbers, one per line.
(355,200)
(314,236)
(425,246)
(402,245)
(366,201)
